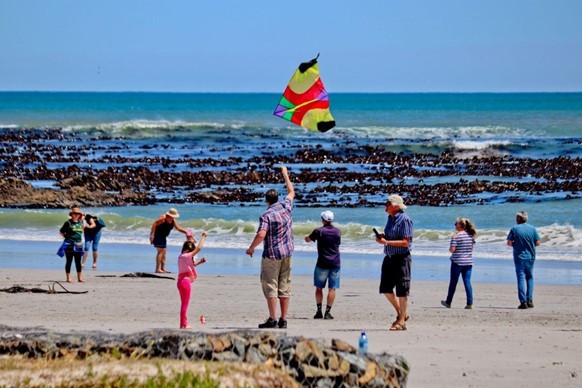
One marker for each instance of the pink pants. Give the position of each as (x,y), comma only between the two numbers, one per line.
(185,289)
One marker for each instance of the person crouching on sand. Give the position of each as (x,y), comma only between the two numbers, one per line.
(187,274)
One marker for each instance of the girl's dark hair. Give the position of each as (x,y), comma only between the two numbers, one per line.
(188,246)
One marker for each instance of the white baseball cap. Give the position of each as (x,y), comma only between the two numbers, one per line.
(327,216)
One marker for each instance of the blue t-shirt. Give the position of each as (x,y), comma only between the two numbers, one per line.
(524,237)
(328,239)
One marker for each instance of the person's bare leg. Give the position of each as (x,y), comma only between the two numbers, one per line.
(330,296)
(84,259)
(95,257)
(272,305)
(318,295)
(284,302)
(80,277)
(163,265)
(69,278)
(394,303)
(159,256)
(403,309)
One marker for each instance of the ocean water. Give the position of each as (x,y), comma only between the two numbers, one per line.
(126,128)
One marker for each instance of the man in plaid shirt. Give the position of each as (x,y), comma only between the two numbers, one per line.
(276,233)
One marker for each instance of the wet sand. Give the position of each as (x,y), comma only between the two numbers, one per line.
(493,345)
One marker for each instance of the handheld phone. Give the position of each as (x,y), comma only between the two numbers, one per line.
(378,235)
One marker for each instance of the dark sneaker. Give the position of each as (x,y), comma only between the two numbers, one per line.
(444,303)
(282,323)
(328,316)
(318,315)
(522,306)
(530,304)
(270,323)
(469,307)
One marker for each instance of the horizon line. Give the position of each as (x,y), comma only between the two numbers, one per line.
(278,92)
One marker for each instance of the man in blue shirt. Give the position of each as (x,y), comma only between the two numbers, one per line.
(397,241)
(524,239)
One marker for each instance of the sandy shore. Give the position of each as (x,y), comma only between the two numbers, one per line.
(493,345)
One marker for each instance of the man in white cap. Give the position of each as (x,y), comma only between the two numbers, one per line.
(524,239)
(327,269)
(161,228)
(397,241)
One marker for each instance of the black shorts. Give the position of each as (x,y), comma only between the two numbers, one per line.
(160,242)
(396,273)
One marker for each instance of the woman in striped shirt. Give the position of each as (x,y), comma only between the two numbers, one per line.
(461,248)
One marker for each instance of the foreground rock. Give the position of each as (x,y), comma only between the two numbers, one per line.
(308,362)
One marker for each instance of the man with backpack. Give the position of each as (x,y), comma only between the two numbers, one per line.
(92,232)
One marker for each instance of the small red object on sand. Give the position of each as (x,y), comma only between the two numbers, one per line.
(202,320)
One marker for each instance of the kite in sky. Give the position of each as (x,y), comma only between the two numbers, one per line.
(305,101)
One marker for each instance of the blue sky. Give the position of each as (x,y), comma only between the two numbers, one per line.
(254,46)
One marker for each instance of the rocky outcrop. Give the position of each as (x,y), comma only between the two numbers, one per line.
(16,193)
(309,362)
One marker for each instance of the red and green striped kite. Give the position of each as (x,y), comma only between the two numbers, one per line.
(305,101)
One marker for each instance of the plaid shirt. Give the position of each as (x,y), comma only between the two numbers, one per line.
(277,221)
(397,228)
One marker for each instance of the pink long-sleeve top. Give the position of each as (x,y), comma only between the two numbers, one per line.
(186,266)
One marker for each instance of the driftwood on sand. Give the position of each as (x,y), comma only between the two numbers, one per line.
(51,290)
(145,275)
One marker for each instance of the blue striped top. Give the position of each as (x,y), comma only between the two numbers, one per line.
(398,228)
(463,243)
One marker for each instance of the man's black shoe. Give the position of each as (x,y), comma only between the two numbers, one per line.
(282,323)
(270,323)
(522,306)
(530,304)
(328,316)
(318,315)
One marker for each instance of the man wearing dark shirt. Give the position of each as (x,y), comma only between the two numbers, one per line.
(327,269)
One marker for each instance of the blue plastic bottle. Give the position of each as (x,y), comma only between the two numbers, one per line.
(363,343)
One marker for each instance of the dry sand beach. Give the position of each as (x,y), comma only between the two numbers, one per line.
(493,345)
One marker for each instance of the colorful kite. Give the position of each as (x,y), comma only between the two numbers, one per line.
(305,101)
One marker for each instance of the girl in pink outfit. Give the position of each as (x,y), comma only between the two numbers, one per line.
(187,274)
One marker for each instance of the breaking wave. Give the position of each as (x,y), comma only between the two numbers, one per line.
(559,242)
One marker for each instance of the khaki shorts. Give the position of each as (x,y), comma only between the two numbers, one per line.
(276,277)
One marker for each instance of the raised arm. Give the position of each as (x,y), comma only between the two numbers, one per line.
(200,244)
(288,184)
